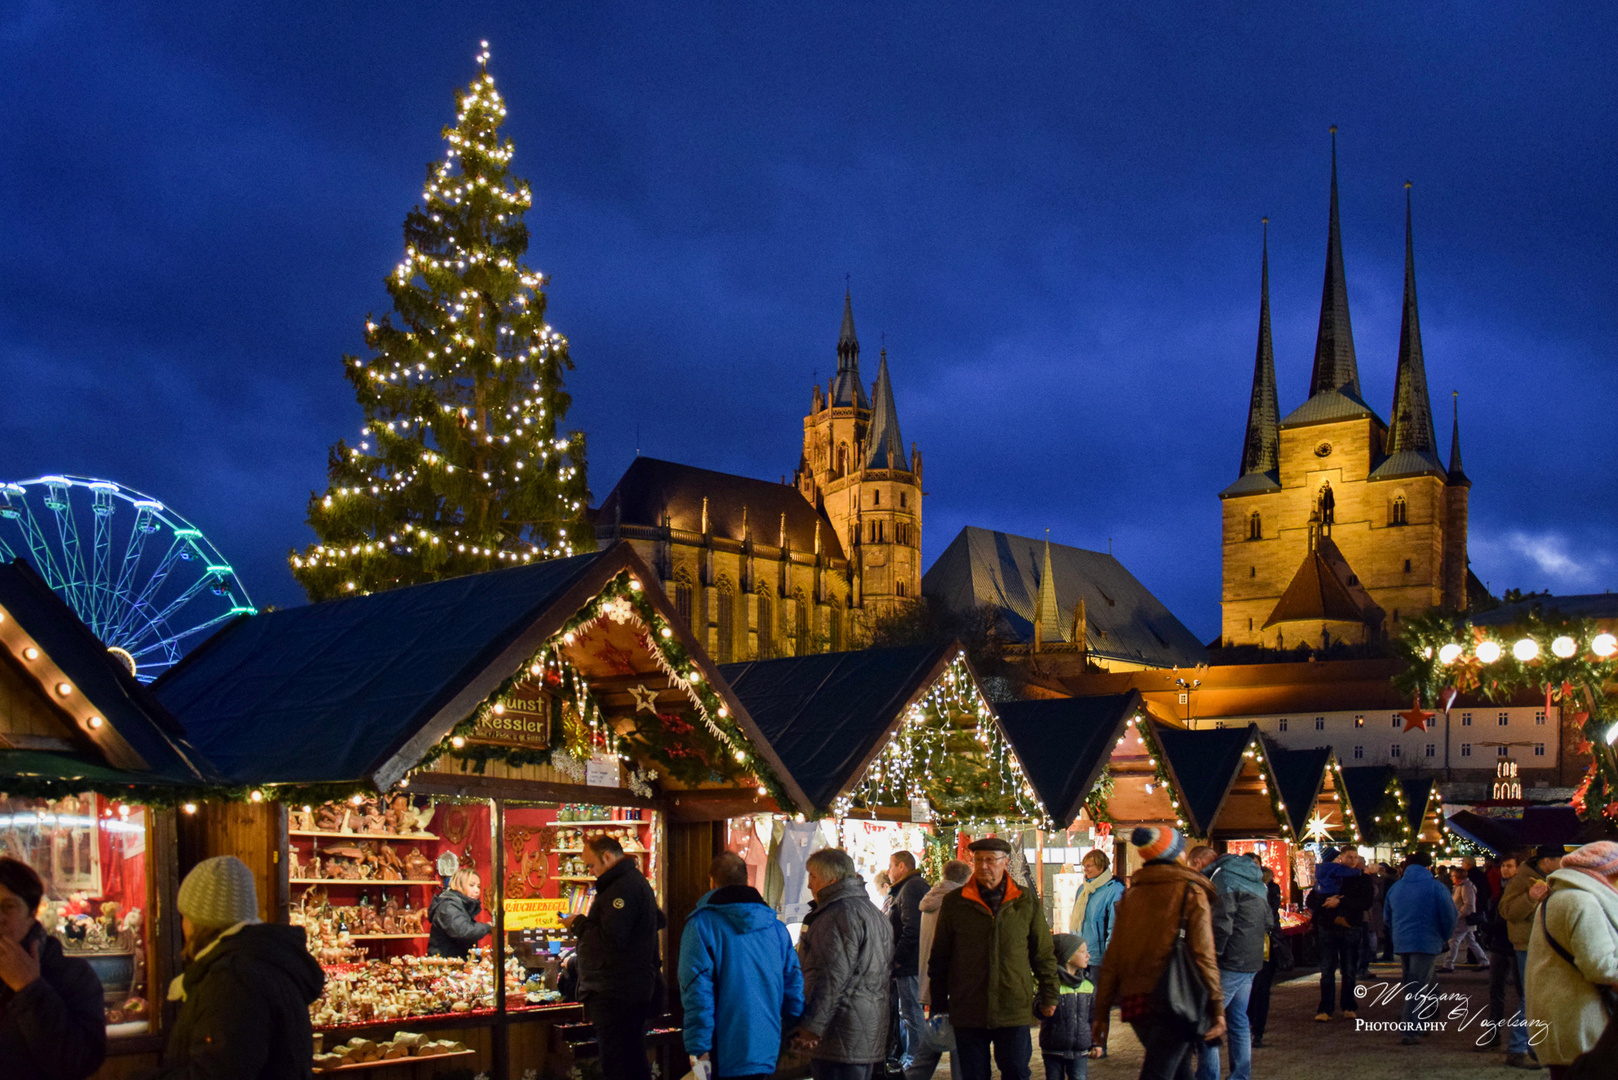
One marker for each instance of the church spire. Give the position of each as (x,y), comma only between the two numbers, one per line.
(1457,475)
(1261,453)
(846,389)
(1411,425)
(884,446)
(1047,616)
(1335,365)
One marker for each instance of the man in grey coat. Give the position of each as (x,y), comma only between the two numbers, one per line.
(846,950)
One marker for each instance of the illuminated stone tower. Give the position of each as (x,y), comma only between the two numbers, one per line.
(855,471)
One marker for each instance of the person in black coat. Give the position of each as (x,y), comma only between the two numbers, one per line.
(904,916)
(453,917)
(620,970)
(51,1021)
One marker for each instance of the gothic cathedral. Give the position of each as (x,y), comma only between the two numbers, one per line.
(1339,526)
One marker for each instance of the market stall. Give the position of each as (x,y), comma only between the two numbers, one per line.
(1319,813)
(894,749)
(1378,800)
(90,768)
(489,724)
(1230,790)
(1080,753)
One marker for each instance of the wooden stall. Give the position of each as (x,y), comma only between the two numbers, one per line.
(1229,788)
(90,769)
(489,723)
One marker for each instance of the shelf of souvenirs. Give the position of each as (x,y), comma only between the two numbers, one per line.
(629,849)
(604,821)
(319,833)
(414,989)
(360,881)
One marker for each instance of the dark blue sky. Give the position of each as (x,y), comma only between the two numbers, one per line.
(1053,217)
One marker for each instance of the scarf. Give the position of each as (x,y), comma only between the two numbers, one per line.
(1082,901)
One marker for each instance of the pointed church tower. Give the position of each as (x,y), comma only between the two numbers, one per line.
(1457,496)
(1047,615)
(1335,365)
(1412,447)
(855,471)
(1261,449)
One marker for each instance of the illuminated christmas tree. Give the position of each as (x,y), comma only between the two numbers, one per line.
(459,467)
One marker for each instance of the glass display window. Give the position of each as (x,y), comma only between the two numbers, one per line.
(546,880)
(91,852)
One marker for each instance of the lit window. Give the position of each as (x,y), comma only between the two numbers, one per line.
(1359,751)
(1466,749)
(1432,749)
(1394,751)
(1359,721)
(1539,749)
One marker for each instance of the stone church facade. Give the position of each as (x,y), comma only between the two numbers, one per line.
(1340,527)
(764,569)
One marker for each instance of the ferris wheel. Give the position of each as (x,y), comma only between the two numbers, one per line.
(149,584)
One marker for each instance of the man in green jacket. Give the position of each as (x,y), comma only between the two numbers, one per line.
(989,951)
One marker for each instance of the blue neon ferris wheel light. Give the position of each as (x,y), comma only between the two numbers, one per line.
(148,584)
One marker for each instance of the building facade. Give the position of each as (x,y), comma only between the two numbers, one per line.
(763,569)
(1339,526)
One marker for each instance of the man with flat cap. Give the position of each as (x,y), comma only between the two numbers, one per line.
(991,957)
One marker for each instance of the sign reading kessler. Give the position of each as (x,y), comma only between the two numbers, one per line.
(522,718)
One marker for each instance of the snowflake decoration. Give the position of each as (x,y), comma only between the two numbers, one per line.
(640,782)
(618,609)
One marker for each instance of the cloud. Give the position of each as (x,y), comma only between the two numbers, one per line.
(1543,558)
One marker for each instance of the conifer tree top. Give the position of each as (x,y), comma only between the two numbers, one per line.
(459,466)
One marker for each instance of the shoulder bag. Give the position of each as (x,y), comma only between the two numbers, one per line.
(1600,1062)
(1181,997)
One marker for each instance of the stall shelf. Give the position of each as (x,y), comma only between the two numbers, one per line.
(490,723)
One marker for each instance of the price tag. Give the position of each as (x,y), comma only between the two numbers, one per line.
(534,914)
(602,771)
(921,811)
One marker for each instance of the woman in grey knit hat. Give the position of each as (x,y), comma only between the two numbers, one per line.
(247,986)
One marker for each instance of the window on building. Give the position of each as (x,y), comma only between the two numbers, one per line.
(1539,749)
(1407,566)
(1320,723)
(842,459)
(682,602)
(1501,751)
(1359,751)
(1255,527)
(903,502)
(766,625)
(1466,749)
(725,618)
(1400,512)
(1282,726)
(800,641)
(1252,571)
(1396,719)
(1539,717)
(1466,719)
(1219,725)
(1432,749)
(899,587)
(1505,718)
(834,619)
(876,497)
(1394,750)
(1359,721)
(1250,623)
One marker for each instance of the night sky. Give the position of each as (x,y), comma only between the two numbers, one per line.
(1054,218)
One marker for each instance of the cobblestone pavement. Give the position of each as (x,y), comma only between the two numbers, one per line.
(1296,1047)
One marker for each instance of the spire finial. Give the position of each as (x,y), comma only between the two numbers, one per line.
(1457,475)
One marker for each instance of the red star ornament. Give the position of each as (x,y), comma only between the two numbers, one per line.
(1416,717)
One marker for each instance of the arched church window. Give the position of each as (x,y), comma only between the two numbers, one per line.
(1399,513)
(834,618)
(876,497)
(800,644)
(1255,527)
(682,597)
(726,618)
(766,624)
(842,459)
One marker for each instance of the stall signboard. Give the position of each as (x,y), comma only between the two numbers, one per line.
(921,811)
(522,718)
(535,914)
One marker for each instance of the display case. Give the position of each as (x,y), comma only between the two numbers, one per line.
(92,854)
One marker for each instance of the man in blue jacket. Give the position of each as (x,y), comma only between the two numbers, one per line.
(1420,914)
(739,976)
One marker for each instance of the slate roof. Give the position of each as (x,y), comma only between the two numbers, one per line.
(127,705)
(1321,590)
(1064,743)
(1204,765)
(1124,620)
(1409,463)
(1298,775)
(846,390)
(1335,365)
(1411,439)
(1328,407)
(1261,450)
(651,490)
(1365,787)
(1538,825)
(827,715)
(884,446)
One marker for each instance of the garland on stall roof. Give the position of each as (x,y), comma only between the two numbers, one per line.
(1143,728)
(1572,661)
(949,751)
(1095,803)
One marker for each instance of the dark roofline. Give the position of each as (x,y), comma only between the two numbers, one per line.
(1131,704)
(1254,738)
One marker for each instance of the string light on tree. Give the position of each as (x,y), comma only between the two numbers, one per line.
(459,466)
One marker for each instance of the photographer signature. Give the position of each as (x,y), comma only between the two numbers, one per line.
(1431,1005)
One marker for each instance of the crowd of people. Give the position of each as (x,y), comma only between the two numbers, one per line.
(1186,952)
